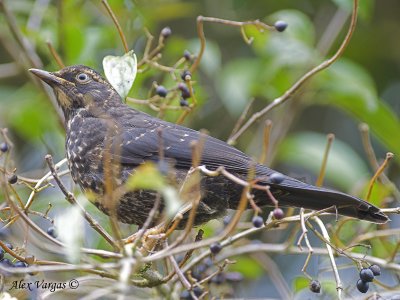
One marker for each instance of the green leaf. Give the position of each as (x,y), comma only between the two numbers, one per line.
(350,88)
(300,27)
(147,177)
(300,283)
(24,113)
(379,193)
(121,72)
(344,168)
(211,61)
(235,84)
(249,267)
(293,46)
(365,7)
(74,41)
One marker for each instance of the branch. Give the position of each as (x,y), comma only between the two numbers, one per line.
(295,87)
(71,199)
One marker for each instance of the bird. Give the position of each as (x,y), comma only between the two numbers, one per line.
(101,128)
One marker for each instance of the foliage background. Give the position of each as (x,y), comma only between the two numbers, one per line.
(362,87)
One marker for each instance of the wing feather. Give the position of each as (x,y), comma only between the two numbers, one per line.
(139,144)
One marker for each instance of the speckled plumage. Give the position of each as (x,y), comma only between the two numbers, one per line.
(97,120)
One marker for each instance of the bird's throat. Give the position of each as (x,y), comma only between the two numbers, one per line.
(63,99)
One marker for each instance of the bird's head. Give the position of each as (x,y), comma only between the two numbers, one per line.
(79,87)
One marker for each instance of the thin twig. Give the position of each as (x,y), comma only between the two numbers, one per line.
(30,54)
(282,248)
(25,218)
(40,182)
(71,199)
(321,175)
(266,139)
(369,150)
(178,271)
(298,84)
(200,31)
(55,55)
(275,274)
(242,117)
(378,172)
(304,236)
(116,23)
(339,286)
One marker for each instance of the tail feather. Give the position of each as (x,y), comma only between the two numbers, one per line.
(291,192)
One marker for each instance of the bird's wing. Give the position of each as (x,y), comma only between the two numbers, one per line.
(142,142)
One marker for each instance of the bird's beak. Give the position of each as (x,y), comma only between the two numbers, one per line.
(48,77)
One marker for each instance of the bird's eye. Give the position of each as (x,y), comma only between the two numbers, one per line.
(82,77)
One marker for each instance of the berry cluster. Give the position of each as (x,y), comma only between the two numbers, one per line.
(182,87)
(366,276)
(6,262)
(204,270)
(52,232)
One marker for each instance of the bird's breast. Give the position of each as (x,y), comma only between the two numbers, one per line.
(84,149)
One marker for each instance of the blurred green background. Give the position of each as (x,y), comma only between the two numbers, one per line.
(363,86)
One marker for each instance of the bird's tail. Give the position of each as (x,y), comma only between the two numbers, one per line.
(294,193)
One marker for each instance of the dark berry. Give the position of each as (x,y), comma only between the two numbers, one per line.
(3,147)
(208,262)
(278,213)
(276,178)
(20,264)
(362,286)
(161,91)
(187,55)
(280,25)
(258,221)
(1,254)
(366,275)
(234,276)
(197,291)
(227,220)
(376,270)
(197,275)
(201,268)
(315,286)
(4,233)
(215,248)
(185,295)
(184,90)
(183,103)
(52,231)
(166,32)
(218,279)
(12,179)
(6,263)
(185,73)
(9,246)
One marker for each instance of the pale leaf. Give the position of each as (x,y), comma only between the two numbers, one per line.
(121,72)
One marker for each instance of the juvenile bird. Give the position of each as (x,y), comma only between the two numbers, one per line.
(96,120)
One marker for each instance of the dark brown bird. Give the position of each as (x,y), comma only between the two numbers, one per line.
(96,118)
